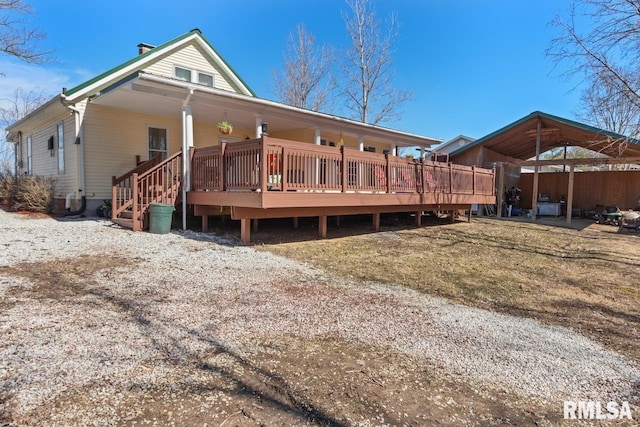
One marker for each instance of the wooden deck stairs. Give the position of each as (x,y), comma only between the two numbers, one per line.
(153,181)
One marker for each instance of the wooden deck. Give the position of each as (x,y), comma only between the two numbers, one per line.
(275,178)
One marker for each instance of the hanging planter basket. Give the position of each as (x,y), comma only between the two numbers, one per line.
(224,126)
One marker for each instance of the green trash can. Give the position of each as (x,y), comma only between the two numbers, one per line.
(160,216)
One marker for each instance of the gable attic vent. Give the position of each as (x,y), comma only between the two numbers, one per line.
(144,48)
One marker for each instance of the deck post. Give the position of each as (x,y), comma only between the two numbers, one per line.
(389,187)
(322,226)
(421,169)
(376,221)
(245,230)
(115,204)
(264,165)
(418,218)
(223,167)
(344,170)
(137,220)
(254,224)
(452,216)
(473,183)
(285,173)
(295,222)
(338,220)
(205,223)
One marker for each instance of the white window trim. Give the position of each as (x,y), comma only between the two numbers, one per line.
(167,151)
(175,72)
(195,75)
(213,78)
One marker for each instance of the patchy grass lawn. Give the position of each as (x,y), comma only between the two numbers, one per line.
(587,280)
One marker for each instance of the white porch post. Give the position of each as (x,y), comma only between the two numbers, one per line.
(187,144)
(316,137)
(361,143)
(422,152)
(258,126)
(394,149)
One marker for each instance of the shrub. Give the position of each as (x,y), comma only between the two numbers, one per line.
(33,193)
(7,184)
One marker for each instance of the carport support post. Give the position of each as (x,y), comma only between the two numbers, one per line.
(500,195)
(534,191)
(570,194)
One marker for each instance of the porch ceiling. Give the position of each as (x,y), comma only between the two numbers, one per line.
(518,140)
(165,97)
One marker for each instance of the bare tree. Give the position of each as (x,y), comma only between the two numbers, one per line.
(604,106)
(367,66)
(303,83)
(16,39)
(606,55)
(21,104)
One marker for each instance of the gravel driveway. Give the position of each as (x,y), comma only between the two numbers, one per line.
(91,313)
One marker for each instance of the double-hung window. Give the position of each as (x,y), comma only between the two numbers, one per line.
(60,132)
(157,142)
(29,156)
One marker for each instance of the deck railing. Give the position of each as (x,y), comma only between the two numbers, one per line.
(271,164)
(155,181)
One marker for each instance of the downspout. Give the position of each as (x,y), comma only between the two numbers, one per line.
(78,119)
(187,143)
(18,153)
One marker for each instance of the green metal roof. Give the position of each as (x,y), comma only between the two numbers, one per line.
(151,52)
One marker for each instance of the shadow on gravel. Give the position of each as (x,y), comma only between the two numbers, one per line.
(264,387)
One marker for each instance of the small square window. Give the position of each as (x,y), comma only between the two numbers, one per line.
(205,79)
(183,74)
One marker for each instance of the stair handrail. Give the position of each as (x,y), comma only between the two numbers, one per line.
(141,168)
(160,164)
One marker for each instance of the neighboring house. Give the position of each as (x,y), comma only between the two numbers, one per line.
(453,144)
(168,100)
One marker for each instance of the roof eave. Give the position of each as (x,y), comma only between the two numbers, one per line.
(406,138)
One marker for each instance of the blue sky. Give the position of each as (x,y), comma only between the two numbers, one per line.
(474,65)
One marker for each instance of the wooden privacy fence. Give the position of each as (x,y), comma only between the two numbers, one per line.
(270,164)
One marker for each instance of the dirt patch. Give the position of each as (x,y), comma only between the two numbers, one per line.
(313,382)
(59,279)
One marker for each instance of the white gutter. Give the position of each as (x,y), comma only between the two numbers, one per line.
(79,119)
